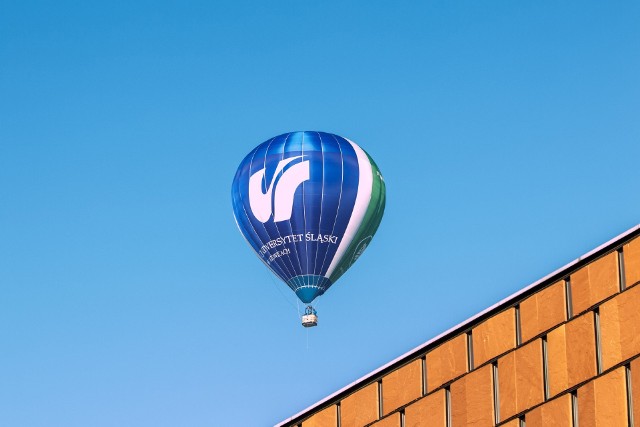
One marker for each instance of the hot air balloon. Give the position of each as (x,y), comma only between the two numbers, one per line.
(308,203)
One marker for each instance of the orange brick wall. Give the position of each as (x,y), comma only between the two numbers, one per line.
(447,362)
(595,282)
(543,310)
(402,386)
(571,351)
(603,401)
(565,354)
(430,411)
(328,417)
(472,398)
(520,379)
(556,412)
(631,253)
(494,336)
(360,408)
(620,325)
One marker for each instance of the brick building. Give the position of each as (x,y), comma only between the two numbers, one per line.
(560,352)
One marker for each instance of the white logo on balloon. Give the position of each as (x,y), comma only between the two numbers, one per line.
(281,204)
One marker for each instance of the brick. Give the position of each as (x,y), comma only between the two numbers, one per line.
(446,362)
(512,423)
(543,310)
(401,386)
(554,413)
(520,379)
(620,327)
(472,399)
(360,408)
(603,401)
(328,417)
(594,282)
(571,353)
(392,420)
(635,389)
(631,253)
(429,411)
(494,336)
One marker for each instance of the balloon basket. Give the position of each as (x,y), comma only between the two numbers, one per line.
(310,317)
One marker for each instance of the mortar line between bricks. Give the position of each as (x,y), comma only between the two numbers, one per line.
(569,390)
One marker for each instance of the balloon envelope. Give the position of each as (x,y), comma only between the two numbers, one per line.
(308,203)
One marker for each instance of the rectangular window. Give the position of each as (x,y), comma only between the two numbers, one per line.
(518,326)
(574,407)
(496,397)
(627,370)
(545,368)
(623,284)
(596,314)
(424,375)
(567,286)
(379,398)
(447,400)
(469,351)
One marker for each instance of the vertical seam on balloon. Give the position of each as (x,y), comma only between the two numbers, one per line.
(315,262)
(264,165)
(251,224)
(284,146)
(304,215)
(236,190)
(359,209)
(243,206)
(280,263)
(295,248)
(245,238)
(353,225)
(254,232)
(339,200)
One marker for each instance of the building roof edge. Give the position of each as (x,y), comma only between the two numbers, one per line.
(466,324)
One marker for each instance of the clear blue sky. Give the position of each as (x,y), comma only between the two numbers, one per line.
(507,132)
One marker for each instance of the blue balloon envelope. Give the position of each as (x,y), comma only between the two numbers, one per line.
(309,204)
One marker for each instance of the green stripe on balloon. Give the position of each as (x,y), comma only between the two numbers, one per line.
(368,226)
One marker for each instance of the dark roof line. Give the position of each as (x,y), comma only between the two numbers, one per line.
(465,325)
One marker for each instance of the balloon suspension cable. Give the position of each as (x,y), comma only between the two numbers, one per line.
(295,307)
(309,311)
(316,302)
